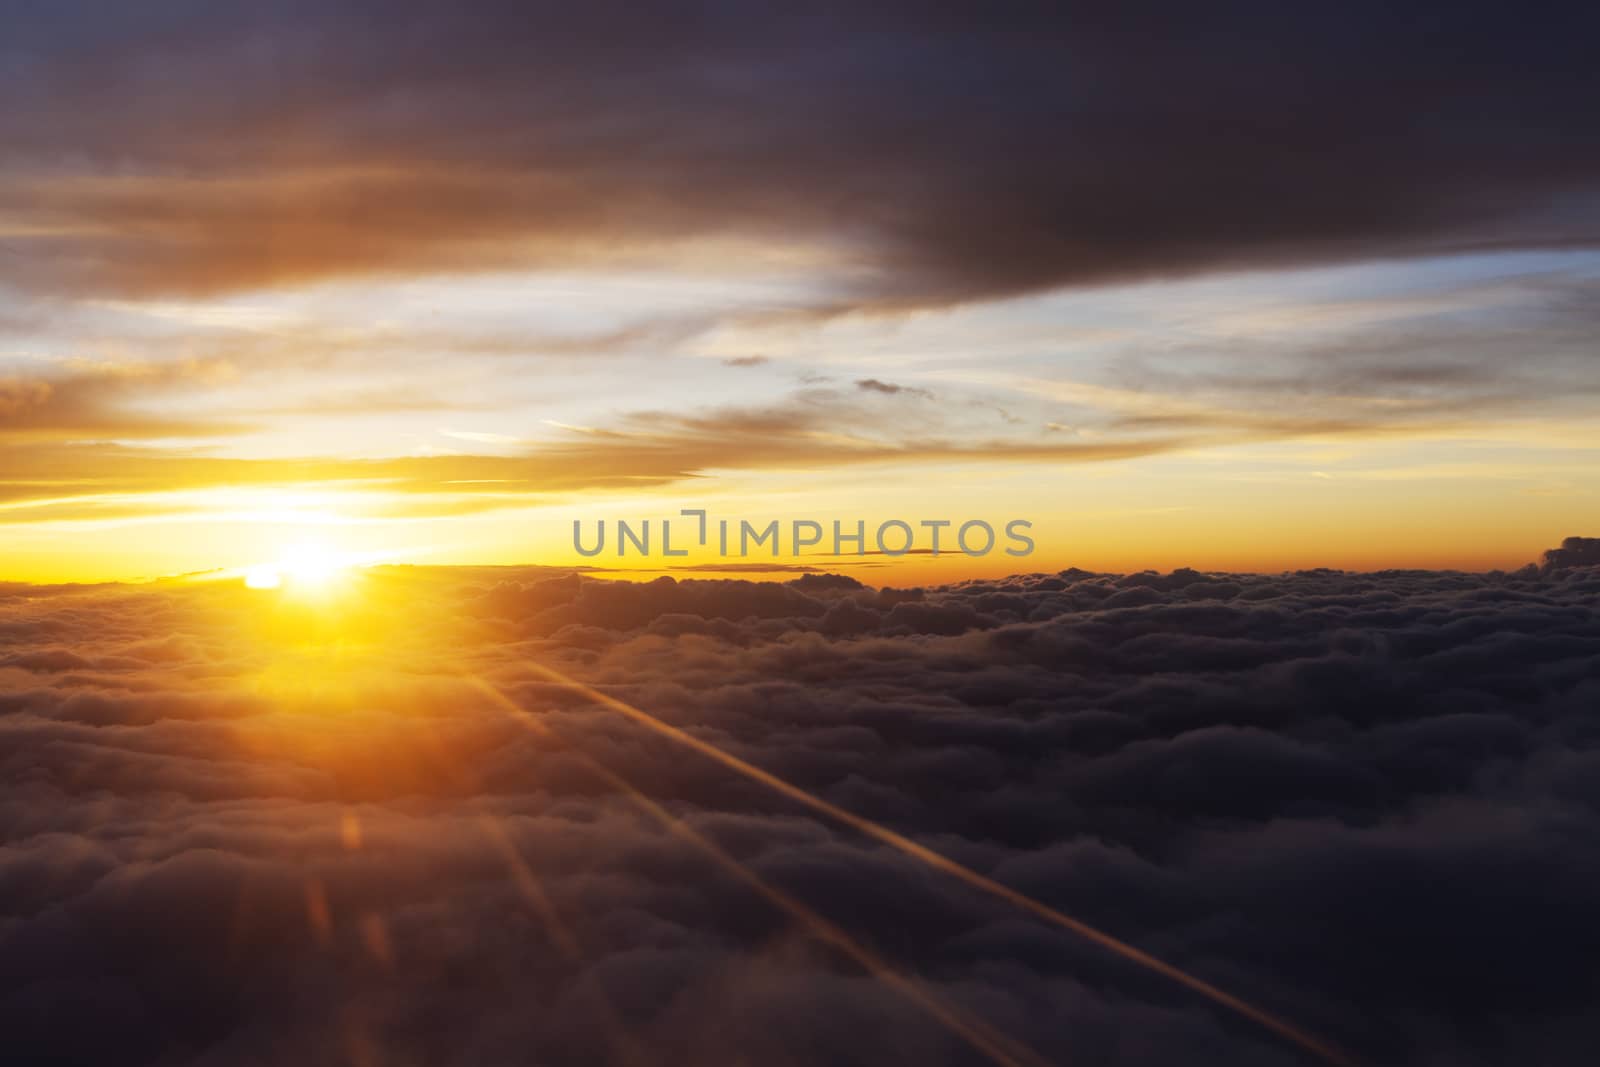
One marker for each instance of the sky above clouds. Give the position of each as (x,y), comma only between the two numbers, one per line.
(1272,290)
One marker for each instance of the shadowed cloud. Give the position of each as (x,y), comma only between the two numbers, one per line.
(928,155)
(239,831)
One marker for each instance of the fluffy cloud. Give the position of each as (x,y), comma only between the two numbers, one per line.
(242,829)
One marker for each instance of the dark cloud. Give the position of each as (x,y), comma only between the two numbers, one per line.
(1574,552)
(936,154)
(241,830)
(874,385)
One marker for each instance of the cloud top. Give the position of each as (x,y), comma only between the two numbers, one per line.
(233,836)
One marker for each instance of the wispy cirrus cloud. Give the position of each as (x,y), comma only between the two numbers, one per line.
(50,481)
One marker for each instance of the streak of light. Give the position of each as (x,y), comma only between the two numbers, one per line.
(978,881)
(533,892)
(998,1047)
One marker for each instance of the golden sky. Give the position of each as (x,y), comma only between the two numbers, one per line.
(1351,417)
(425,297)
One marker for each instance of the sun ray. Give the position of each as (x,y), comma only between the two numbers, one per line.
(999,1048)
(932,859)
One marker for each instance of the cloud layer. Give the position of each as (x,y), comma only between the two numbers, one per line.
(254,831)
(927,156)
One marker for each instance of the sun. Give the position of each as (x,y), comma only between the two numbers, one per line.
(305,566)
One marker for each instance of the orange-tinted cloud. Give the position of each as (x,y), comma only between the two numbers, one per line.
(91,400)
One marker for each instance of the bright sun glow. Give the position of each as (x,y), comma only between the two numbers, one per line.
(304,566)
(263,576)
